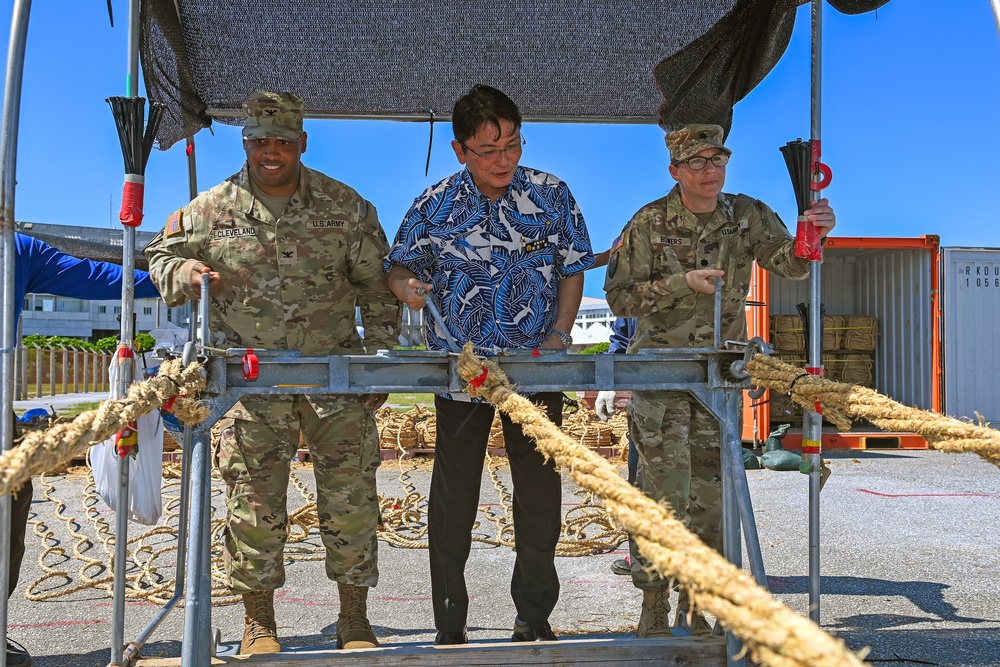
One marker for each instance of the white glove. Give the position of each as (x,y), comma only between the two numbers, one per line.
(604,406)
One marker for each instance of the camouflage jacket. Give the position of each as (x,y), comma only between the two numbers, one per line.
(290,283)
(664,240)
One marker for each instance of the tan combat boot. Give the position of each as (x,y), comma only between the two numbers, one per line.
(260,635)
(690,622)
(353,628)
(654,621)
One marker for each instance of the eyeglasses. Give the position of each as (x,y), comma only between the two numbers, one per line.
(495,153)
(699,163)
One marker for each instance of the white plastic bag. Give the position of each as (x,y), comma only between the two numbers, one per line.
(145,480)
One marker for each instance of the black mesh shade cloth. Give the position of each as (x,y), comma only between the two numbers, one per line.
(591,60)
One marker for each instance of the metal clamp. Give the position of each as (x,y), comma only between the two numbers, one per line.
(755,345)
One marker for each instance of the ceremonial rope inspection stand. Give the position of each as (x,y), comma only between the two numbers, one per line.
(715,375)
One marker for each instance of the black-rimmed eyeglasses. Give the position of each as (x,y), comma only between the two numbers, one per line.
(495,153)
(699,163)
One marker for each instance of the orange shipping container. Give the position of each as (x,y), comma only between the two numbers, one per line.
(894,281)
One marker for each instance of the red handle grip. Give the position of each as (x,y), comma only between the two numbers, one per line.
(826,175)
(251,366)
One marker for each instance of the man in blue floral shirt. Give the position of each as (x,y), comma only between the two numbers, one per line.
(501,250)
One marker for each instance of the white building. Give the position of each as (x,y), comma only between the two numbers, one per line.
(593,322)
(76,318)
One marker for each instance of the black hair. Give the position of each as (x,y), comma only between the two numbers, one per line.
(481,105)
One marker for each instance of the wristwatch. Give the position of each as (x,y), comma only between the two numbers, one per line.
(566,339)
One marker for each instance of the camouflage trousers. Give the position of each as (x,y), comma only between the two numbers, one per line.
(680,462)
(255,444)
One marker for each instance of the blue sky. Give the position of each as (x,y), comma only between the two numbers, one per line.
(910,101)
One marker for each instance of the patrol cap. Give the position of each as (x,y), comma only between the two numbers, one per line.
(692,139)
(273,115)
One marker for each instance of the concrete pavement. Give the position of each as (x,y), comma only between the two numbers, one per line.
(909,569)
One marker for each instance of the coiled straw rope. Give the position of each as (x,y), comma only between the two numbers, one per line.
(841,402)
(772,633)
(40,451)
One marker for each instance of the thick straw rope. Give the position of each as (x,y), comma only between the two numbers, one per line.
(773,634)
(841,402)
(41,451)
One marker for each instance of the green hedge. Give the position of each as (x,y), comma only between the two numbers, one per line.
(144,342)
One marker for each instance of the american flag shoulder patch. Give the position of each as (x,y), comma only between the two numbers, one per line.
(618,243)
(175,223)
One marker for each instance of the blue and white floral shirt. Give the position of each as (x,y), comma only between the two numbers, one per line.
(495,267)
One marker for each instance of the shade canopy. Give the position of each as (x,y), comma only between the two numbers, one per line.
(671,62)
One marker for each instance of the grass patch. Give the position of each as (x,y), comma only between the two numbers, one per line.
(76,409)
(404,402)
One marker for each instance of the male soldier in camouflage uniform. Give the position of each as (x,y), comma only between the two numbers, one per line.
(662,271)
(289,252)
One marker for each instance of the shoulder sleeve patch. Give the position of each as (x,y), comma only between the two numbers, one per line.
(618,243)
(175,224)
(612,266)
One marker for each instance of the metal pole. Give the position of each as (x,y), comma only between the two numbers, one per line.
(52,371)
(812,426)
(132,650)
(732,458)
(717,329)
(204,619)
(22,392)
(121,535)
(732,545)
(8,149)
(86,369)
(38,370)
(196,649)
(192,169)
(19,360)
(183,518)
(65,370)
(996,12)
(76,369)
(125,370)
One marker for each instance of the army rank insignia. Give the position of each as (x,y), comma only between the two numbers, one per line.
(175,225)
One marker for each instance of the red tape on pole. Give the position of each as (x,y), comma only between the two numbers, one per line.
(130,214)
(808,240)
(818,371)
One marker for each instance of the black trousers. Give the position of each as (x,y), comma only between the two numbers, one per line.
(20,507)
(462,433)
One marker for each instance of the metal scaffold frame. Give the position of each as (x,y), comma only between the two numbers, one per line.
(714,375)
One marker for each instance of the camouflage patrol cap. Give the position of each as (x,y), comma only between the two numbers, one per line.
(273,115)
(692,139)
